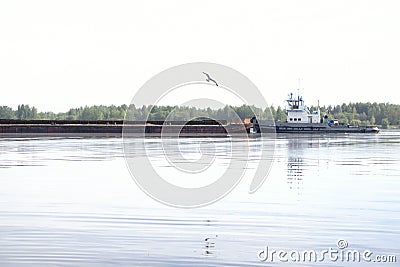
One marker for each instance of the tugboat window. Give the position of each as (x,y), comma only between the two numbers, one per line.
(295,119)
(291,119)
(299,119)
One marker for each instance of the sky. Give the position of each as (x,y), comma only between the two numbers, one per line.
(56,55)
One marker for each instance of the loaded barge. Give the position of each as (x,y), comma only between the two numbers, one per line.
(115,128)
(299,119)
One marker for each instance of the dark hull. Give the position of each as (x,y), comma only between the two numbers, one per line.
(21,128)
(315,128)
(203,128)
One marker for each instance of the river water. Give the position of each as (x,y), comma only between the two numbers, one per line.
(72,202)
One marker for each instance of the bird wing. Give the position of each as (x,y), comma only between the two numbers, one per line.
(214,81)
(208,76)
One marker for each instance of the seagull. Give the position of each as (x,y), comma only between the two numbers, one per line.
(209,79)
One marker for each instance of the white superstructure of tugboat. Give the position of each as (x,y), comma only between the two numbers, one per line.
(297,112)
(299,119)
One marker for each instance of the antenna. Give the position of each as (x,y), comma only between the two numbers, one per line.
(298,90)
(299,83)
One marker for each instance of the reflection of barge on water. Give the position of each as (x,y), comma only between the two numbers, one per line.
(299,119)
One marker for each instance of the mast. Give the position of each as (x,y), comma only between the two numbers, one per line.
(298,91)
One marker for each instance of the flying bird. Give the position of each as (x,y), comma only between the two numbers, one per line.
(209,79)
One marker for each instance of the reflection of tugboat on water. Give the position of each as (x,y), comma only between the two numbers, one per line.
(299,119)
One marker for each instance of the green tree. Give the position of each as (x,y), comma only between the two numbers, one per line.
(372,120)
(7,113)
(385,123)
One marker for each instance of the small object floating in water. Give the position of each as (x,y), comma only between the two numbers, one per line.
(208,238)
(209,245)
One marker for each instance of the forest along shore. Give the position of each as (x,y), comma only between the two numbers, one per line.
(384,115)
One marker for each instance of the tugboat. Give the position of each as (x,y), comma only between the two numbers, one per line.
(299,119)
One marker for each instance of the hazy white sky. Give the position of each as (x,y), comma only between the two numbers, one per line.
(61,54)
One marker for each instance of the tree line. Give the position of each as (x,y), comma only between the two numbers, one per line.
(25,112)
(383,114)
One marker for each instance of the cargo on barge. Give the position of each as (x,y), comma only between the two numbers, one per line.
(193,128)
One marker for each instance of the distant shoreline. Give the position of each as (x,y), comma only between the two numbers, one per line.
(384,115)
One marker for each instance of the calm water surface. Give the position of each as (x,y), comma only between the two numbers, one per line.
(72,202)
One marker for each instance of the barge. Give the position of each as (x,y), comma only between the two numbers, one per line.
(116,128)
